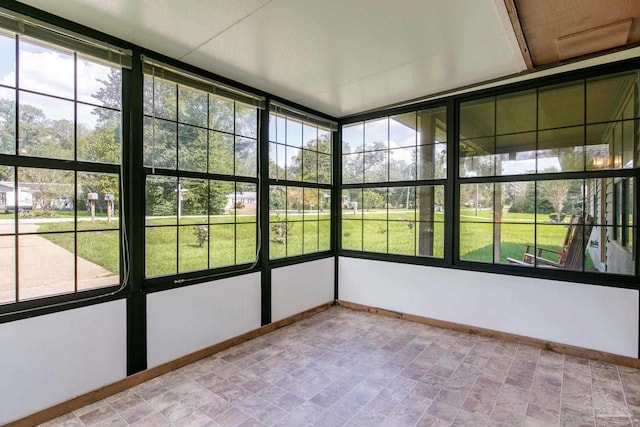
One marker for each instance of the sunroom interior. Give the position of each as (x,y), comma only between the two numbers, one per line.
(180,178)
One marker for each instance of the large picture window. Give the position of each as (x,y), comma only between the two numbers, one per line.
(60,155)
(201,160)
(406,218)
(544,176)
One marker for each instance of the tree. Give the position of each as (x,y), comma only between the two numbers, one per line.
(372,199)
(313,163)
(556,193)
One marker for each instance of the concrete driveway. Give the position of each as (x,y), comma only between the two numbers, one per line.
(45,268)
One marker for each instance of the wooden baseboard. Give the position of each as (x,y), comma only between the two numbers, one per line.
(504,336)
(70,405)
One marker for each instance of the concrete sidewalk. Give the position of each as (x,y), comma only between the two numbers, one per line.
(45,268)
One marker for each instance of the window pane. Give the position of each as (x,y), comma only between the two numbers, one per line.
(402,164)
(374,236)
(45,193)
(246,157)
(310,136)
(324,168)
(516,240)
(376,134)
(517,154)
(432,126)
(353,138)
(193,200)
(246,121)
(353,168)
(221,153)
(8,267)
(8,58)
(401,205)
(476,241)
(432,161)
(373,203)
(99,135)
(99,84)
(561,150)
(376,166)
(160,144)
(163,101)
(245,243)
(310,236)
(98,201)
(161,200)
(561,105)
(429,201)
(98,259)
(161,250)
(281,130)
(222,202)
(558,200)
(46,127)
(192,251)
(402,235)
(278,227)
(352,234)
(324,238)
(192,146)
(36,63)
(352,203)
(294,133)
(276,163)
(516,112)
(246,202)
(628,131)
(221,114)
(609,96)
(402,130)
(476,202)
(324,141)
(192,106)
(477,118)
(310,166)
(477,157)
(222,245)
(7,120)
(294,163)
(40,256)
(518,201)
(311,204)
(294,237)
(8,200)
(433,246)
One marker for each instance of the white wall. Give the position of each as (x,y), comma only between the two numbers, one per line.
(183,320)
(48,359)
(595,317)
(299,287)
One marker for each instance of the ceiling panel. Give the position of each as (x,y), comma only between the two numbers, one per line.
(170,27)
(339,57)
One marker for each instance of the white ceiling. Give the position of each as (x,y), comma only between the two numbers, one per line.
(339,57)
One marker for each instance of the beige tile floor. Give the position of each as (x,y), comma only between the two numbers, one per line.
(343,367)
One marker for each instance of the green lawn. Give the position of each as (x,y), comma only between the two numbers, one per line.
(101,247)
(229,243)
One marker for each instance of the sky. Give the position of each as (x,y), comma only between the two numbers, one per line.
(51,72)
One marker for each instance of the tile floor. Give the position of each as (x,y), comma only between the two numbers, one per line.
(347,368)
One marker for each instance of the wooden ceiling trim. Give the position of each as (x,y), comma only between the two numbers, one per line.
(517,29)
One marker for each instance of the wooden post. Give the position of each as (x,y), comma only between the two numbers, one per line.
(92,197)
